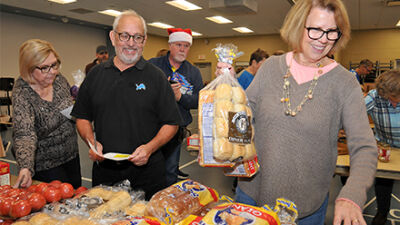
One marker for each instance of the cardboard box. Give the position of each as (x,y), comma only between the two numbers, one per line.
(4,173)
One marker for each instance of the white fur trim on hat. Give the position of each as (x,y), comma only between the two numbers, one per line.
(180,36)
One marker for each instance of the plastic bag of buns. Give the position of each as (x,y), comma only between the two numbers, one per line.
(225,120)
(173,204)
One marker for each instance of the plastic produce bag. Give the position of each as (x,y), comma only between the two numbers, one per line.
(78,76)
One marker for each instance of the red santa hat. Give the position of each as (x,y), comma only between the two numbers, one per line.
(179,34)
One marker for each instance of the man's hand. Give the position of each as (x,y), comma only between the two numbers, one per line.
(348,213)
(24,179)
(140,156)
(92,153)
(177,91)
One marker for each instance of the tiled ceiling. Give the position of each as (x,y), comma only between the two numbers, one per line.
(364,14)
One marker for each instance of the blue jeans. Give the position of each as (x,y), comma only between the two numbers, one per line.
(172,165)
(317,218)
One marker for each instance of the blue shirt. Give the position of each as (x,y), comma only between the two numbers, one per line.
(191,81)
(385,117)
(245,79)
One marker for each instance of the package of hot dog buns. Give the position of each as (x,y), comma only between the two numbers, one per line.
(225,119)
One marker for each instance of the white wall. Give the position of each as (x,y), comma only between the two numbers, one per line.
(75,44)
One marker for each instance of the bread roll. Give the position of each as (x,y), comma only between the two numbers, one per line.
(42,219)
(70,221)
(248,112)
(222,149)
(238,151)
(239,108)
(221,108)
(136,209)
(221,127)
(22,223)
(250,152)
(238,95)
(223,91)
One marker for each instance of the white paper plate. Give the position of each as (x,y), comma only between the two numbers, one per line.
(116,156)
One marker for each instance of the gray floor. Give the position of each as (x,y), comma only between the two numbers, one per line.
(213,177)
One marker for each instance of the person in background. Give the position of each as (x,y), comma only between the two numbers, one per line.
(279,52)
(300,100)
(362,70)
(162,52)
(133,109)
(257,58)
(186,81)
(101,56)
(383,106)
(45,141)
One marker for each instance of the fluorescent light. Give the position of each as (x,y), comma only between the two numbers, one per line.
(243,30)
(111,12)
(160,25)
(184,5)
(62,1)
(194,33)
(398,24)
(219,19)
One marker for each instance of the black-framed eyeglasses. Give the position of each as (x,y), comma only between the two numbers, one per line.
(46,68)
(317,33)
(103,53)
(124,36)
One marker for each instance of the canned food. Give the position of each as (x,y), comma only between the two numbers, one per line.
(383,152)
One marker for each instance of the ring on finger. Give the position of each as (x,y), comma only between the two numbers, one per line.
(355,221)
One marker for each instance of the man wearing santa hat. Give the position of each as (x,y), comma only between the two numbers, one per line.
(186,83)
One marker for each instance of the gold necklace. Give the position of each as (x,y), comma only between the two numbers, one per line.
(286,92)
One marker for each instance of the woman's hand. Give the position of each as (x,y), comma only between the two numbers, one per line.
(348,213)
(221,66)
(24,179)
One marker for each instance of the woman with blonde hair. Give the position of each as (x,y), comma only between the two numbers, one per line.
(45,140)
(300,100)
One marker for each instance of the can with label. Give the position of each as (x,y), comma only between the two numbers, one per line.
(4,173)
(383,152)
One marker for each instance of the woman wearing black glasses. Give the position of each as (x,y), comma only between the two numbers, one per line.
(45,140)
(300,100)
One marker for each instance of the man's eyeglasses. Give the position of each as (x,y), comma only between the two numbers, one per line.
(317,33)
(102,53)
(46,68)
(124,36)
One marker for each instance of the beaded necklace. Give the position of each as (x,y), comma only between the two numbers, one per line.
(286,91)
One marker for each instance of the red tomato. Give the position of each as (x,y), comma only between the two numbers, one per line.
(13,193)
(52,194)
(41,188)
(5,187)
(32,188)
(23,195)
(5,205)
(80,190)
(37,201)
(20,208)
(67,191)
(55,183)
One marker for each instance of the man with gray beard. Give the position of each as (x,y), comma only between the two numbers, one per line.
(133,109)
(186,83)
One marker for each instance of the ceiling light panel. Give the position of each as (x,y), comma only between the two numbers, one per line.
(194,33)
(219,19)
(184,5)
(160,25)
(243,30)
(110,12)
(62,1)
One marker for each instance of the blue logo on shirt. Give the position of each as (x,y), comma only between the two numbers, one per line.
(140,87)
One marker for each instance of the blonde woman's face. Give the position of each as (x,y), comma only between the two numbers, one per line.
(315,50)
(44,79)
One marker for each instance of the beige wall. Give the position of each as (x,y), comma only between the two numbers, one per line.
(376,45)
(203,47)
(75,44)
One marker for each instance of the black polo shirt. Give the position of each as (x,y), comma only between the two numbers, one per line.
(128,108)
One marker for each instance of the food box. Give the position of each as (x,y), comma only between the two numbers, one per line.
(4,173)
